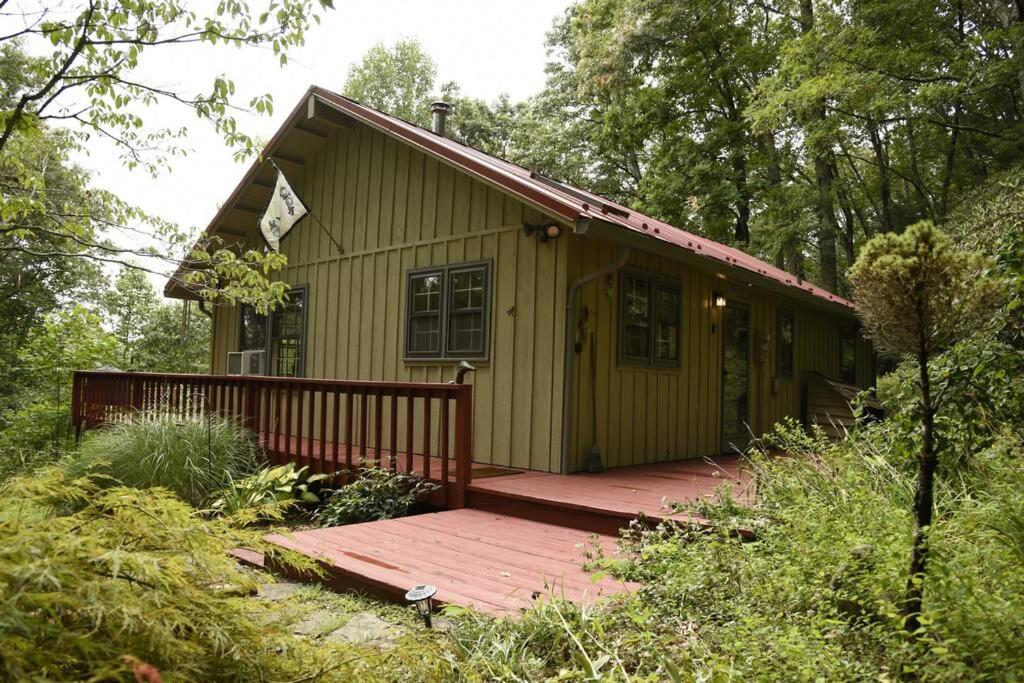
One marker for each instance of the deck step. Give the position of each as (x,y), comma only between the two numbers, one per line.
(488,559)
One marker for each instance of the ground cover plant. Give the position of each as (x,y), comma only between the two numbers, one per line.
(375,493)
(270,487)
(196,457)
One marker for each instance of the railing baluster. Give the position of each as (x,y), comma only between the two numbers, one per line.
(443,427)
(309,428)
(364,403)
(337,427)
(393,436)
(426,435)
(348,429)
(322,465)
(278,424)
(410,406)
(288,425)
(378,434)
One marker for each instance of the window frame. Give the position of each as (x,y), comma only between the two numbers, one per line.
(655,284)
(268,342)
(446,272)
(781,313)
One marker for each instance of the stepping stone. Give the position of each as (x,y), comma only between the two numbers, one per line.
(367,628)
(278,591)
(315,624)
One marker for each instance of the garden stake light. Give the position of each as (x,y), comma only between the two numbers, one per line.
(422,596)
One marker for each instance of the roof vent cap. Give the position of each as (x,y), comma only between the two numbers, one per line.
(439,116)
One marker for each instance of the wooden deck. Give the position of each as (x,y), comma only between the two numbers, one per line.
(623,492)
(522,538)
(493,559)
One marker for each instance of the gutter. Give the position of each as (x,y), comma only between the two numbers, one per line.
(570,352)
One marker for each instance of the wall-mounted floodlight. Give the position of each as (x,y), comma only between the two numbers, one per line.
(548,231)
(422,597)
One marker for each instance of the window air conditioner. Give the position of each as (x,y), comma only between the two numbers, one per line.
(235,362)
(254,362)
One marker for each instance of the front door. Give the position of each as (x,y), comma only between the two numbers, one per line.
(735,378)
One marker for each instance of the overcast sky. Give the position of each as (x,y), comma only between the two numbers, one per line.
(487,47)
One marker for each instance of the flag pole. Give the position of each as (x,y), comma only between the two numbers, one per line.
(310,212)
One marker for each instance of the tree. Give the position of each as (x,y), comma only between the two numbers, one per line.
(174,340)
(397,80)
(130,307)
(917,295)
(68,340)
(90,73)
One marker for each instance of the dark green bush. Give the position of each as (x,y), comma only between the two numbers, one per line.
(377,493)
(195,457)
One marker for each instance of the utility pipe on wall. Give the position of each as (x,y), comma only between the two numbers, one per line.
(570,352)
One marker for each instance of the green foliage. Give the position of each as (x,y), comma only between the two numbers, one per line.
(917,293)
(377,493)
(132,578)
(196,457)
(176,338)
(270,487)
(396,80)
(38,420)
(130,306)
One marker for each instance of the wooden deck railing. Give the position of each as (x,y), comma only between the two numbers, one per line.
(329,425)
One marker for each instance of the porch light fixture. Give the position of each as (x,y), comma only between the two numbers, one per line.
(718,299)
(423,597)
(548,231)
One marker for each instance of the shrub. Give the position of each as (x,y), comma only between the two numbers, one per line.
(378,493)
(271,486)
(195,457)
(132,579)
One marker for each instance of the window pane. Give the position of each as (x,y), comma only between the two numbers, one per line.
(784,344)
(287,358)
(666,341)
(254,330)
(848,354)
(287,335)
(467,289)
(636,336)
(466,333)
(426,293)
(425,334)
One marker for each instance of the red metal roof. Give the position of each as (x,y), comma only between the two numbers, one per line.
(563,200)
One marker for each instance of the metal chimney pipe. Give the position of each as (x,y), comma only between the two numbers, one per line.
(439,116)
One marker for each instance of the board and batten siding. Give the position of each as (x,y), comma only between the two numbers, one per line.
(654,414)
(393,209)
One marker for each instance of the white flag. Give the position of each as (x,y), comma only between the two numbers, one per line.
(283,212)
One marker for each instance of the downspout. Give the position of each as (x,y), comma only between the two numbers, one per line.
(570,351)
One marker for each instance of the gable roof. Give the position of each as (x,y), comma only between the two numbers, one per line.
(557,199)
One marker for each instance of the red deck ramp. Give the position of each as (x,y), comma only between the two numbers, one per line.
(495,562)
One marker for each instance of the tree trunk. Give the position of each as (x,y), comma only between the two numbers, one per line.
(882,159)
(739,167)
(924,504)
(828,226)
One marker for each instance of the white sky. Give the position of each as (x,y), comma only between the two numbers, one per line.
(488,47)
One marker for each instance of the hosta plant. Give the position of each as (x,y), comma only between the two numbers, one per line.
(271,486)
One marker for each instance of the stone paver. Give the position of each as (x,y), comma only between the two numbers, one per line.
(367,628)
(278,591)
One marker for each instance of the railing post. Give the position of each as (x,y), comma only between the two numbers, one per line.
(463,444)
(77,380)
